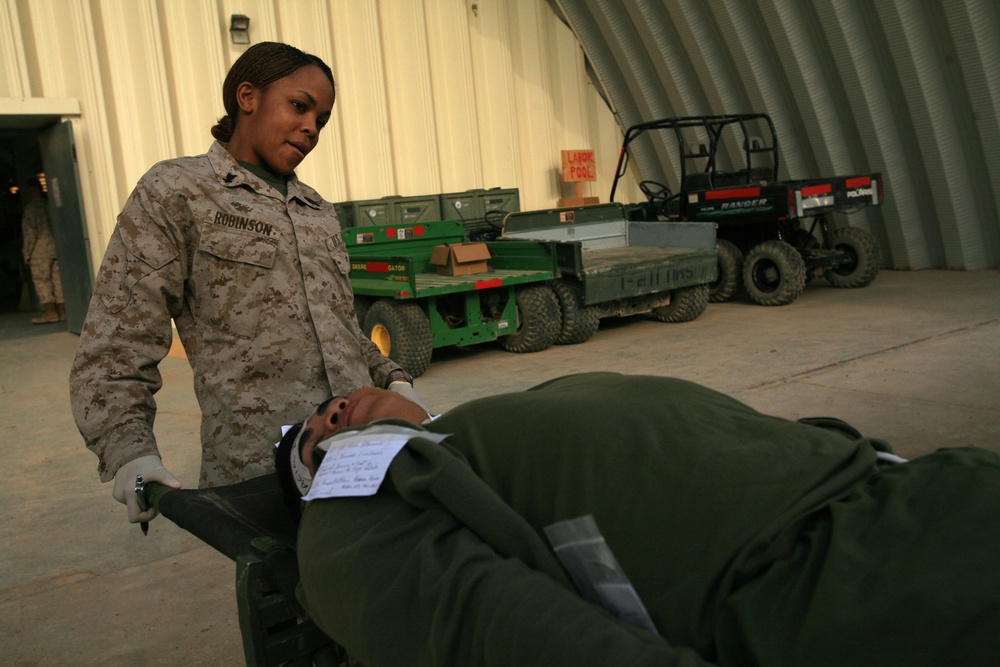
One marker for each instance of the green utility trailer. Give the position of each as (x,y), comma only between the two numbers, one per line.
(611,266)
(408,308)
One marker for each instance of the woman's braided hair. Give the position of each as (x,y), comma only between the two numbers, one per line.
(260,65)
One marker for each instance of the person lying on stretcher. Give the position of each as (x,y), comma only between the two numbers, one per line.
(732,537)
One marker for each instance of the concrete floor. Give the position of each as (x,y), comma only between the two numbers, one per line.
(913,359)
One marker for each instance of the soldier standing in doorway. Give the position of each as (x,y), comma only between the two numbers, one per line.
(40,255)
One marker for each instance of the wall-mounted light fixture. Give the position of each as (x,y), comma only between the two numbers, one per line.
(239,28)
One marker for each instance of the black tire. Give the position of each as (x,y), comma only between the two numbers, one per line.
(579,322)
(774,273)
(686,304)
(361,306)
(865,258)
(538,320)
(402,332)
(729,282)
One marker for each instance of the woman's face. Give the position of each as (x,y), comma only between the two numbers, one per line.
(362,407)
(280,124)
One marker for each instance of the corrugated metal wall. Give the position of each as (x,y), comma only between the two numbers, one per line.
(433,95)
(910,88)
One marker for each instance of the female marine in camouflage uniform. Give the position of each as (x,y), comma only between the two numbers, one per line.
(249,264)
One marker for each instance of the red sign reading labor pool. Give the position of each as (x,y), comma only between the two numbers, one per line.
(578,166)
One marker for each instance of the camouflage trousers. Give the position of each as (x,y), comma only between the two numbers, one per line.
(48,285)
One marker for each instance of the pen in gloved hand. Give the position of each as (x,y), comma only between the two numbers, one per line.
(140,497)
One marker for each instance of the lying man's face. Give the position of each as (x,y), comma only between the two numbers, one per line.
(362,407)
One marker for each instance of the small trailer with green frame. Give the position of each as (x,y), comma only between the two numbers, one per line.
(407,308)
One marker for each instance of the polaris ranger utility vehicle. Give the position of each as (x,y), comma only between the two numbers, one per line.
(773,236)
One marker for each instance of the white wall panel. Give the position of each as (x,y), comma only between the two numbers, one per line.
(14,80)
(453,90)
(409,96)
(361,109)
(531,86)
(573,126)
(264,25)
(194,53)
(130,51)
(494,90)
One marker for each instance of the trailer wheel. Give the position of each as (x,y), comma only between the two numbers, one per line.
(864,254)
(686,304)
(361,306)
(774,273)
(538,320)
(579,322)
(402,332)
(729,282)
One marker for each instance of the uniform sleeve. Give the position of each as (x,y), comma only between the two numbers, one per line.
(126,334)
(29,229)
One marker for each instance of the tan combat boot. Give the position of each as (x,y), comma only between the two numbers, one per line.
(61,311)
(50,315)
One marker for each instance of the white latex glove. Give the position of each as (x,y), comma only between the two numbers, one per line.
(152,470)
(403,388)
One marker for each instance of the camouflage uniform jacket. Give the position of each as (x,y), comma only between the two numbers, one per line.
(258,288)
(39,244)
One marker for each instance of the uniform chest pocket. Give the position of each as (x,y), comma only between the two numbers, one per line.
(342,268)
(230,275)
(338,250)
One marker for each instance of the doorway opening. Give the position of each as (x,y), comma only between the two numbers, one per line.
(36,144)
(20,159)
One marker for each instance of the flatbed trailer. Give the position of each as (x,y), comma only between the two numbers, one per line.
(611,266)
(408,308)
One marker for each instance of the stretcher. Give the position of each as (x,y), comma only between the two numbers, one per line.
(249,523)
